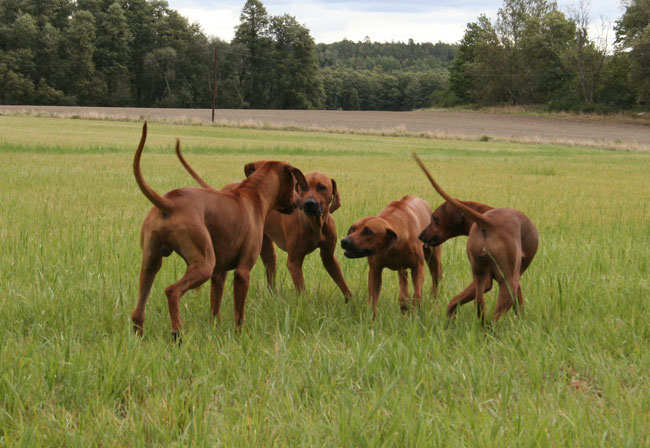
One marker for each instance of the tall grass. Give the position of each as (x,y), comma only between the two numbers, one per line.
(309,370)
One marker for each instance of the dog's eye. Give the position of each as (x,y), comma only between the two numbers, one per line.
(321,187)
(352,229)
(434,220)
(366,232)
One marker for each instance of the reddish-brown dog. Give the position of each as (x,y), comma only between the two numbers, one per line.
(390,240)
(301,232)
(305,230)
(213,231)
(501,245)
(448,222)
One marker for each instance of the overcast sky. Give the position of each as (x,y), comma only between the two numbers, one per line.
(381,21)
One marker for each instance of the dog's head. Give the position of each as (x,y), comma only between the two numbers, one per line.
(446,222)
(367,237)
(292,182)
(321,196)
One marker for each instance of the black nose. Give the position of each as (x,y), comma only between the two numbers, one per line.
(346,243)
(310,206)
(421,237)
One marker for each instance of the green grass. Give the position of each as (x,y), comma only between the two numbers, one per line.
(309,370)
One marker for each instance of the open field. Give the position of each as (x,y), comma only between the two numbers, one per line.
(309,370)
(609,132)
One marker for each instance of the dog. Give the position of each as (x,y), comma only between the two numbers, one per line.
(213,231)
(390,240)
(501,245)
(448,222)
(299,233)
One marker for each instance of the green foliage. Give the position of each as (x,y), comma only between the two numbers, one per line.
(534,54)
(253,34)
(633,34)
(297,79)
(93,52)
(142,53)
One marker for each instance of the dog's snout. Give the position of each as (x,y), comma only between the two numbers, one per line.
(310,205)
(346,243)
(422,238)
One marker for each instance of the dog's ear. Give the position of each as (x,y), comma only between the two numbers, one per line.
(391,238)
(336,198)
(458,218)
(300,178)
(249,169)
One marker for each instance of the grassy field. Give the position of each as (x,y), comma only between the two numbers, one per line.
(309,370)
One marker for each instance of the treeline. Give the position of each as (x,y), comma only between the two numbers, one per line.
(141,53)
(384,76)
(101,53)
(535,54)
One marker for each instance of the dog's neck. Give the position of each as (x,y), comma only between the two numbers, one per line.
(266,188)
(313,222)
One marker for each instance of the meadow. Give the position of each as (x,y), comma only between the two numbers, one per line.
(310,370)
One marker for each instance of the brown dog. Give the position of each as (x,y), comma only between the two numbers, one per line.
(213,231)
(390,240)
(501,245)
(298,233)
(448,222)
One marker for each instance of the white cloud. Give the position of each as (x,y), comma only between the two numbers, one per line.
(382,21)
(214,22)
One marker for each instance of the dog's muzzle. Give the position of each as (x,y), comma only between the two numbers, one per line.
(433,241)
(311,207)
(352,251)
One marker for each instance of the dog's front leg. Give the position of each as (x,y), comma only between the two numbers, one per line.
(334,269)
(374,287)
(403,290)
(417,276)
(294,264)
(433,256)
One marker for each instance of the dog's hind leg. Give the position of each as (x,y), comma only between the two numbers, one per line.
(151,262)
(464,297)
(216,292)
(198,252)
(480,283)
(520,302)
(269,259)
(240,286)
(509,290)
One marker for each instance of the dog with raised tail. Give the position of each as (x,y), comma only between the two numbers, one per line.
(213,231)
(501,245)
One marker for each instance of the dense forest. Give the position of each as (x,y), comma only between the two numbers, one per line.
(142,53)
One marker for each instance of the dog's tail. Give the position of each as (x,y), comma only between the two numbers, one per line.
(189,169)
(157,200)
(471,214)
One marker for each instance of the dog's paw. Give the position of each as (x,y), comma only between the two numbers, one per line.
(176,337)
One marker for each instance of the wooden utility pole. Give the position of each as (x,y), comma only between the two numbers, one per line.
(214,82)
